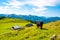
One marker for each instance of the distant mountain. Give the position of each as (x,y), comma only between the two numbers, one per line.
(31,17)
(1,15)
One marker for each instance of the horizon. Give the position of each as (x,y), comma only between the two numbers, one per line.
(46,8)
(28,15)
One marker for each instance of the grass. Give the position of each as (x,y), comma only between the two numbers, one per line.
(30,33)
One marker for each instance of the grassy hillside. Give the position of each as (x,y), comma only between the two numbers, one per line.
(12,20)
(30,33)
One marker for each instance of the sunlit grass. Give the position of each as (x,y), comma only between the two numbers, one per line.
(28,33)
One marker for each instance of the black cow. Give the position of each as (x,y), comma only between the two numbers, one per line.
(39,24)
(29,25)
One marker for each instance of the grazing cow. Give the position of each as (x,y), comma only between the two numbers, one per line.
(29,25)
(39,24)
(16,27)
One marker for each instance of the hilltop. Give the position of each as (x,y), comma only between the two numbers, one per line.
(13,20)
(30,33)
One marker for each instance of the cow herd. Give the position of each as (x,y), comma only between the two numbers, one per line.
(39,24)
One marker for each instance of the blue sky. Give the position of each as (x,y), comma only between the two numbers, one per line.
(47,8)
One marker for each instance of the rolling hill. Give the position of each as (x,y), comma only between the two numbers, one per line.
(29,33)
(14,20)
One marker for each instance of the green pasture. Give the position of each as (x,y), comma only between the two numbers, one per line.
(28,33)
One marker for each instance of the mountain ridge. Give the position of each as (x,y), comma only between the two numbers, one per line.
(31,17)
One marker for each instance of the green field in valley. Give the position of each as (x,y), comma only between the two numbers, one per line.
(28,33)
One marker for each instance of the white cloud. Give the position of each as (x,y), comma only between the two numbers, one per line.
(41,4)
(14,5)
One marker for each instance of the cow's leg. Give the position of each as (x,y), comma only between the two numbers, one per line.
(41,26)
(37,26)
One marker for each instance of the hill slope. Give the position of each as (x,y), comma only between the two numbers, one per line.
(30,33)
(9,22)
(13,20)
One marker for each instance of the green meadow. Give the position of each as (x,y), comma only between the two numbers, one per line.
(28,33)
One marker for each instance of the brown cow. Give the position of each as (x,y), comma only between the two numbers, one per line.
(39,24)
